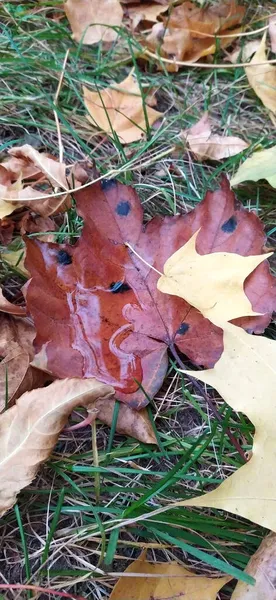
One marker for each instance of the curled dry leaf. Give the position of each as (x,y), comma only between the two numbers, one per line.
(119,110)
(11,309)
(96,306)
(261,165)
(27,163)
(262,566)
(204,144)
(245,52)
(129,422)
(165,580)
(94,20)
(262,78)
(16,351)
(190,32)
(30,429)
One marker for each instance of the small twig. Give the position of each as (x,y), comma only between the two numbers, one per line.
(60,144)
(187,63)
(209,401)
(142,259)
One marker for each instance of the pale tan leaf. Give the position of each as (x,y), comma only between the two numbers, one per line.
(219,295)
(120,109)
(166,581)
(244,53)
(204,144)
(262,78)
(92,20)
(262,566)
(30,429)
(130,422)
(272,32)
(261,165)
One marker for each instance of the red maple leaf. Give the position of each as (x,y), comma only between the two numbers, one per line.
(96,307)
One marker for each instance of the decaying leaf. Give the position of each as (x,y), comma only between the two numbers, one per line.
(242,54)
(220,295)
(130,422)
(261,165)
(204,144)
(119,110)
(166,580)
(190,32)
(262,78)
(94,20)
(96,306)
(262,566)
(30,429)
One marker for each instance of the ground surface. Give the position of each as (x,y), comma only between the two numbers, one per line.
(63,534)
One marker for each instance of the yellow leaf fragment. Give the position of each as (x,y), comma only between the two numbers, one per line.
(262,566)
(16,259)
(92,20)
(120,110)
(262,78)
(213,283)
(166,581)
(245,377)
(30,429)
(145,12)
(261,165)
(242,54)
(204,144)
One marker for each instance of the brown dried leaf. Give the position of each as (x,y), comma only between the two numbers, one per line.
(30,429)
(205,145)
(145,12)
(93,20)
(130,422)
(174,583)
(11,309)
(120,109)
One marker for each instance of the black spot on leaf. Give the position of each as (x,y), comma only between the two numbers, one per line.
(108,184)
(123,208)
(64,258)
(183,328)
(230,225)
(119,287)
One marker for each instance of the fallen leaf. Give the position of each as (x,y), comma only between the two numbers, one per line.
(166,581)
(11,309)
(96,307)
(245,377)
(30,429)
(6,231)
(16,259)
(191,32)
(272,32)
(262,566)
(129,422)
(261,165)
(40,225)
(52,169)
(16,351)
(145,12)
(262,78)
(94,20)
(119,110)
(220,295)
(204,144)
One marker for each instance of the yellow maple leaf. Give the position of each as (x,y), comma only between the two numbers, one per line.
(213,283)
(262,78)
